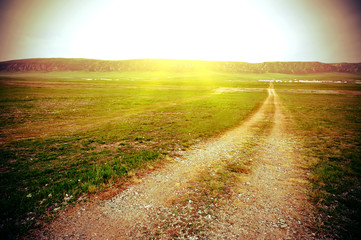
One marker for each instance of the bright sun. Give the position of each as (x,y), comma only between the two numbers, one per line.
(231,30)
(206,31)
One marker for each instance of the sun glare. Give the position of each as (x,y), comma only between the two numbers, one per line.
(207,31)
(234,30)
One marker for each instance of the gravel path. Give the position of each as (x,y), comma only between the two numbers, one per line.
(269,204)
(273,202)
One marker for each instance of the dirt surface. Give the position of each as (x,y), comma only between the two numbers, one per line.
(270,202)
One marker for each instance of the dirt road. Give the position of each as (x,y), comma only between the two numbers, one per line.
(268,203)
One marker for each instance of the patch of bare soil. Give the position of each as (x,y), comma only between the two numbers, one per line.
(269,203)
(233,90)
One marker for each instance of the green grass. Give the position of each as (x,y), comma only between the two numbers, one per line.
(330,127)
(62,138)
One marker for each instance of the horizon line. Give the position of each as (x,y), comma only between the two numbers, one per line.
(174,59)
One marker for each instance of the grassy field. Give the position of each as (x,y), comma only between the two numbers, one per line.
(64,135)
(68,134)
(330,127)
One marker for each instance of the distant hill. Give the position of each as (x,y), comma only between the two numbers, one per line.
(92,65)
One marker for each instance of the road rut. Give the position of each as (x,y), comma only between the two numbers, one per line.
(270,202)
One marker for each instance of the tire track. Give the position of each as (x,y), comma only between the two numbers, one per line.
(273,203)
(270,205)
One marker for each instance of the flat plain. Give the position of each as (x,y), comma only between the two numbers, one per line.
(70,137)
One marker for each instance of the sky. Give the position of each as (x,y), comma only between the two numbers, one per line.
(220,30)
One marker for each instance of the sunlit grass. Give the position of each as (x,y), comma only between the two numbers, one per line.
(65,134)
(63,138)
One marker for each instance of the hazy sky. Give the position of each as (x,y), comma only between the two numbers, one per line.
(234,30)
